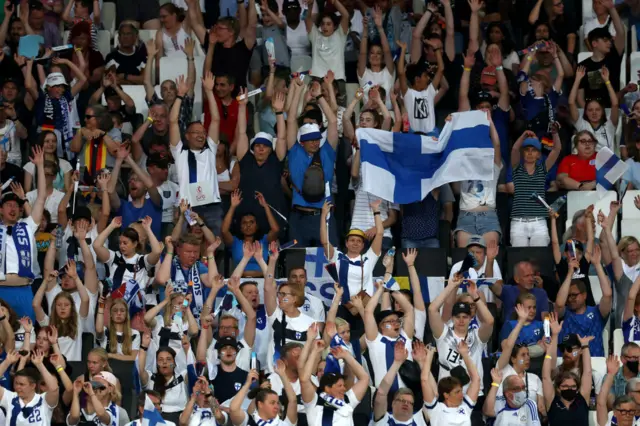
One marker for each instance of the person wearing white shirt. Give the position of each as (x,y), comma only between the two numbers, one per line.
(313,306)
(25,407)
(267,408)
(331,402)
(448,339)
(514,408)
(54,197)
(457,405)
(624,407)
(355,269)
(328,42)
(196,159)
(485,264)
(383,330)
(202,408)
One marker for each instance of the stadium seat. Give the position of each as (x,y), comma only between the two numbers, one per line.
(580,43)
(595,288)
(88,343)
(618,341)
(599,364)
(108,17)
(593,418)
(634,64)
(123,370)
(300,63)
(583,55)
(578,200)
(541,256)
(634,38)
(630,228)
(605,343)
(629,210)
(431,262)
(103,41)
(587,10)
(172,68)
(623,70)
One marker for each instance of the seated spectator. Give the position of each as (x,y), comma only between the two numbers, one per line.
(562,26)
(130,57)
(99,396)
(451,339)
(593,120)
(606,53)
(578,317)
(531,332)
(515,399)
(577,172)
(623,406)
(49,143)
(566,397)
(524,280)
(528,217)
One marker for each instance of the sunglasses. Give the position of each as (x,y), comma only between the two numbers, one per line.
(88,116)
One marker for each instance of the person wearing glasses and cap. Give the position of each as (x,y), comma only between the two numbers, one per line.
(99,407)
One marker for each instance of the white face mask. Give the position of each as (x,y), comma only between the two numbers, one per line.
(519,398)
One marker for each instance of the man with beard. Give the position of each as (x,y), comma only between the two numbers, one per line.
(11,27)
(137,206)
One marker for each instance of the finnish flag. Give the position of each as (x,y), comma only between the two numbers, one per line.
(609,168)
(403,167)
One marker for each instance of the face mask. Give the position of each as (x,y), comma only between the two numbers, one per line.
(633,366)
(569,394)
(519,398)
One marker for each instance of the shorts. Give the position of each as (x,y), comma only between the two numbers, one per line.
(478,223)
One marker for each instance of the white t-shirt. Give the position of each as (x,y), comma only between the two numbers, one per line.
(243,357)
(175,397)
(313,307)
(378,355)
(64,165)
(593,23)
(263,336)
(388,420)
(605,134)
(277,421)
(207,182)
(51,203)
(479,193)
(527,415)
(449,357)
(12,259)
(533,384)
(92,234)
(40,416)
(89,322)
(169,194)
(328,53)
(341,417)
(441,415)
(298,41)
(202,417)
(122,417)
(141,277)
(420,109)
(381,78)
(135,341)
(299,325)
(488,294)
(359,277)
(70,347)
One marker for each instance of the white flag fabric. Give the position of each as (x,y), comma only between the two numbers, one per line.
(609,169)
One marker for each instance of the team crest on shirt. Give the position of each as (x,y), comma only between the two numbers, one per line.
(590,315)
(461,411)
(298,335)
(523,418)
(536,332)
(237,386)
(420,108)
(166,194)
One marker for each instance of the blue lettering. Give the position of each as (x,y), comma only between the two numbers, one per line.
(35,416)
(327,291)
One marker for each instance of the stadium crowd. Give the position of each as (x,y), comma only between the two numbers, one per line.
(188,238)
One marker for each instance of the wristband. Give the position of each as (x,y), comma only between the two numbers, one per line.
(319,96)
(584,347)
(607,83)
(2,318)
(547,357)
(500,68)
(201,224)
(23,65)
(150,120)
(205,326)
(144,348)
(59,369)
(208,395)
(376,213)
(279,112)
(495,384)
(529,58)
(476,300)
(190,59)
(180,97)
(169,253)
(466,69)
(78,49)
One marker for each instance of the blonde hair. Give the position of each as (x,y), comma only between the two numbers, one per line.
(168,310)
(297,291)
(625,242)
(69,327)
(340,322)
(104,356)
(126,332)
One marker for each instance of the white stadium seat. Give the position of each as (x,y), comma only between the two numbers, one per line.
(634,65)
(108,17)
(629,210)
(595,288)
(584,55)
(587,10)
(618,341)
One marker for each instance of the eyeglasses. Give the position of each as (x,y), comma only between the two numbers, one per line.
(586,141)
(88,116)
(573,295)
(283,294)
(626,412)
(227,327)
(195,132)
(568,349)
(560,3)
(395,321)
(631,358)
(403,401)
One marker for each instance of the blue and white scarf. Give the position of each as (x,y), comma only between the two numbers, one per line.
(56,111)
(22,241)
(332,406)
(115,414)
(192,284)
(343,274)
(27,412)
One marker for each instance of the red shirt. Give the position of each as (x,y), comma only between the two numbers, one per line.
(577,169)
(228,117)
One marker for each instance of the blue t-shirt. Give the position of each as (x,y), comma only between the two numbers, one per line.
(631,329)
(236,253)
(591,323)
(299,160)
(131,214)
(510,294)
(529,335)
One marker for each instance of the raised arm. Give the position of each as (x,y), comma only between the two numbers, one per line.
(103,253)
(370,324)
(414,280)
(602,410)
(270,297)
(435,319)
(573,95)
(484,315)
(214,127)
(416,38)
(326,210)
(465,81)
(549,363)
(402,71)
(606,301)
(174,115)
(510,342)
(38,205)
(563,292)
(292,122)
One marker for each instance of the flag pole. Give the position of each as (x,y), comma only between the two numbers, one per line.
(75,187)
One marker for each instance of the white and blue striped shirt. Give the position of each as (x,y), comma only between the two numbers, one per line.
(527,415)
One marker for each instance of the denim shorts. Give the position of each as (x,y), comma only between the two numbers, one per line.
(478,223)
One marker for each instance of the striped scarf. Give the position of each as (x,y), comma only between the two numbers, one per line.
(56,117)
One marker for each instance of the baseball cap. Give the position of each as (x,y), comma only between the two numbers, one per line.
(476,240)
(10,196)
(381,315)
(357,233)
(483,96)
(226,341)
(570,341)
(461,308)
(262,138)
(108,377)
(309,132)
(532,142)
(11,80)
(55,79)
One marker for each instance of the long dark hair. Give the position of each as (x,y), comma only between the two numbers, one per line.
(160,386)
(506,45)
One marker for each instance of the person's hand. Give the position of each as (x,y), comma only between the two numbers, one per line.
(435,44)
(326,208)
(554,325)
(52,335)
(375,205)
(278,102)
(182,86)
(475,5)
(248,250)
(168,243)
(574,265)
(357,302)
(9,8)
(261,200)
(243,94)
(37,358)
(377,16)
(146,339)
(315,89)
(88,389)
(400,353)
(13,357)
(463,348)
(146,222)
(584,341)
(613,364)
(103,181)
(80,230)
(431,7)
(236,198)
(496,376)
(410,257)
(151,48)
(17,189)
(214,246)
(596,256)
(365,24)
(528,134)
(281,369)
(608,4)
(116,222)
(312,332)
(233,284)
(418,352)
(57,360)
(374,94)
(38,156)
(274,250)
(492,250)
(106,81)
(71,269)
(604,71)
(26,324)
(338,290)
(208,81)
(189,47)
(318,345)
(253,376)
(19,60)
(123,152)
(339,352)
(580,72)
(472,289)
(522,312)
(328,79)
(469,59)
(359,93)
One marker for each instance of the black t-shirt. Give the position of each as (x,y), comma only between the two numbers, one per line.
(562,268)
(577,413)
(132,63)
(226,385)
(593,83)
(232,61)
(11,171)
(561,27)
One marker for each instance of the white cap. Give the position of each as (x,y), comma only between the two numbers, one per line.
(55,79)
(107,377)
(262,138)
(309,132)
